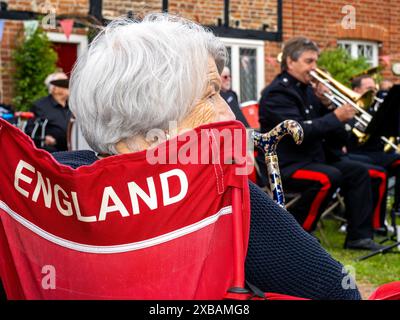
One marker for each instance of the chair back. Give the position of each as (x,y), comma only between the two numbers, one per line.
(148,225)
(250,112)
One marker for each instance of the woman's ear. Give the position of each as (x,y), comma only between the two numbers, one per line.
(121,147)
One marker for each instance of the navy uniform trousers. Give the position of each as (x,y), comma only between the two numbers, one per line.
(320,181)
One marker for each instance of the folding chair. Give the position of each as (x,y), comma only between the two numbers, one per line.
(124,228)
(250,112)
(387,291)
(335,206)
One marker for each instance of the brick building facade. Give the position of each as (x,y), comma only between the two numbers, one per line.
(376,32)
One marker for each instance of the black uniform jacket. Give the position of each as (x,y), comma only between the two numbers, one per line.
(58,118)
(286,98)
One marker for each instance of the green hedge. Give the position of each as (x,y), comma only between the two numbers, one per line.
(34,59)
(341,65)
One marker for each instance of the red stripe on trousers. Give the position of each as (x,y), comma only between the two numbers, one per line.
(395,164)
(315,205)
(376,223)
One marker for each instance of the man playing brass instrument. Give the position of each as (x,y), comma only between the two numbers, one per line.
(374,147)
(336,146)
(304,167)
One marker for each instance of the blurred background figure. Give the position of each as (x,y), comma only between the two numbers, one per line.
(384,88)
(385,85)
(374,147)
(363,84)
(230,96)
(53,108)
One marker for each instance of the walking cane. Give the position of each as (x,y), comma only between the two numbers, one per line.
(268,143)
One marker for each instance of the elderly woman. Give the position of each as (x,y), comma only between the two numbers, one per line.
(137,76)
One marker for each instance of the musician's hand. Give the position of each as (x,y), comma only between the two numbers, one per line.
(345,112)
(49,140)
(320,90)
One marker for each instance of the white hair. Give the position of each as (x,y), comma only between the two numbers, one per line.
(53,76)
(137,76)
(226,69)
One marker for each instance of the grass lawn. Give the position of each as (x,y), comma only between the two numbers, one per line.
(369,273)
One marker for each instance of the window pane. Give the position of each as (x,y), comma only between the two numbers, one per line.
(368,52)
(248,74)
(229,62)
(360,50)
(345,46)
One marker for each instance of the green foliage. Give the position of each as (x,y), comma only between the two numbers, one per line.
(341,65)
(372,272)
(92,33)
(34,59)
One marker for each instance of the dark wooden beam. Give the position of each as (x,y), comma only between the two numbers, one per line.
(165,6)
(245,33)
(96,9)
(3,5)
(226,13)
(280,21)
(18,15)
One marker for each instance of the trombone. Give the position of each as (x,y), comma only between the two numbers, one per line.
(340,95)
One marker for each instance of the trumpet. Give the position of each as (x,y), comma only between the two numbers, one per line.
(340,95)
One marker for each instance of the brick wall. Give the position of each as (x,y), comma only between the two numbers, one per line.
(61,6)
(317,19)
(321,20)
(116,8)
(249,13)
(252,14)
(204,12)
(13,30)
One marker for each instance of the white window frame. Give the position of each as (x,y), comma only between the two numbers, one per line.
(354,49)
(235,45)
(80,40)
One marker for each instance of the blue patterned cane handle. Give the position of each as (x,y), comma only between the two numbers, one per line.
(268,143)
